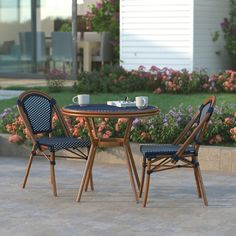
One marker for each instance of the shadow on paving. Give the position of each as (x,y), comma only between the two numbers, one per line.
(172,209)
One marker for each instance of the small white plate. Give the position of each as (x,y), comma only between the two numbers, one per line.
(121,103)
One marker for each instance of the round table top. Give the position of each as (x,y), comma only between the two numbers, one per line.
(104,110)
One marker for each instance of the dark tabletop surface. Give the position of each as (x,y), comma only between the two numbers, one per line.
(106,108)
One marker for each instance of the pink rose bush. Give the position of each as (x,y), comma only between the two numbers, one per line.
(232,122)
(233,133)
(103,16)
(56,79)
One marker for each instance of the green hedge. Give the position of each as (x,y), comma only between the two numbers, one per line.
(116,79)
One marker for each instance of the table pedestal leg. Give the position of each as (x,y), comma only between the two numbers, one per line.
(86,170)
(130,173)
(87,57)
(129,157)
(129,153)
(89,172)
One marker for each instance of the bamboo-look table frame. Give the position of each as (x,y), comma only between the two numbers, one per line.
(92,111)
(87,47)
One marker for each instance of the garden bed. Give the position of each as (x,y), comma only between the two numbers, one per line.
(163,128)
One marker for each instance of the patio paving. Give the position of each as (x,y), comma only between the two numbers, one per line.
(9,82)
(173,207)
(7,94)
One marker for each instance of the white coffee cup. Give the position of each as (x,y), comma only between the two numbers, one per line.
(81,99)
(141,102)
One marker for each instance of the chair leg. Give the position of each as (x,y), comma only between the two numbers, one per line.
(197,183)
(89,177)
(63,66)
(203,192)
(80,66)
(147,183)
(144,165)
(52,174)
(27,169)
(91,182)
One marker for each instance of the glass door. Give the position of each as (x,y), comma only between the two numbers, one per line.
(55,16)
(15,20)
(26,27)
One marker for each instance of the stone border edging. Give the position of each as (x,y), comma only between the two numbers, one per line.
(212,158)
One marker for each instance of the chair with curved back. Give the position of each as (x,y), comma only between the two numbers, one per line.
(182,153)
(37,109)
(62,49)
(105,51)
(26,48)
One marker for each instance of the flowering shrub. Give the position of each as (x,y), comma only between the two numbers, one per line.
(222,121)
(231,123)
(104,17)
(233,133)
(222,82)
(11,122)
(55,80)
(156,80)
(228,27)
(163,128)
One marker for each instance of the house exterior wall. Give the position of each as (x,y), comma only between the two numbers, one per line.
(173,34)
(155,32)
(208,14)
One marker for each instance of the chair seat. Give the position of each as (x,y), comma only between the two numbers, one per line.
(96,58)
(153,150)
(58,143)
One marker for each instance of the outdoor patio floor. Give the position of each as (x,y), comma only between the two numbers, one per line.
(173,207)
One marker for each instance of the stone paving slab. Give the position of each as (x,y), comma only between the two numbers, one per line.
(173,207)
(8,82)
(7,94)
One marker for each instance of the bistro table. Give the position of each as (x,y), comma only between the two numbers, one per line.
(92,111)
(87,47)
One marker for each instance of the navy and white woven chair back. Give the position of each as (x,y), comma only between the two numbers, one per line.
(204,109)
(38,110)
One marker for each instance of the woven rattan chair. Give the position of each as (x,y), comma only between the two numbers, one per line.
(36,109)
(182,153)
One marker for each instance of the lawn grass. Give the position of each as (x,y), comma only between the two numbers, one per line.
(163,101)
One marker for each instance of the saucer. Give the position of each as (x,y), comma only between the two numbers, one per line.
(141,107)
